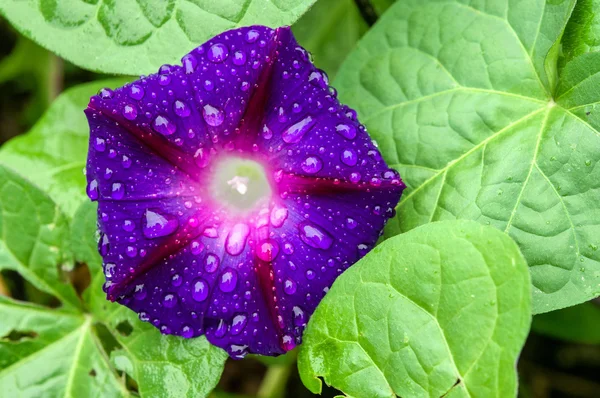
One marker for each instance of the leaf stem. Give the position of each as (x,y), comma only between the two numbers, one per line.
(275,380)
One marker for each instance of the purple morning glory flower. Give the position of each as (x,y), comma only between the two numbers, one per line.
(232,191)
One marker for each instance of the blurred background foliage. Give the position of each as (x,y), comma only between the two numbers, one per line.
(562,355)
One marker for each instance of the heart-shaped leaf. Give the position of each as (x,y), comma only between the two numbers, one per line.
(137,36)
(442,310)
(462,101)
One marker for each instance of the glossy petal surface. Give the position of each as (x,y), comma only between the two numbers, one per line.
(187,262)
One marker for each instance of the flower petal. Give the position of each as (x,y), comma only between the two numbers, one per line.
(179,257)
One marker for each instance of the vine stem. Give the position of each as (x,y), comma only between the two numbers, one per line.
(275,380)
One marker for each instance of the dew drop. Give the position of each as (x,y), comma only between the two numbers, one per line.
(211,263)
(310,274)
(239,58)
(126,162)
(129,112)
(288,248)
(170,300)
(267,250)
(351,223)
(238,324)
(201,157)
(131,251)
(199,290)
(312,165)
(236,240)
(252,36)
(349,157)
(196,247)
(266,132)
(105,93)
(287,343)
(346,130)
(117,190)
(140,292)
(315,236)
(187,332)
(295,132)
(213,116)
(136,92)
(189,62)
(176,280)
(228,280)
(128,225)
(92,190)
(278,216)
(289,286)
(299,316)
(217,53)
(163,125)
(103,245)
(99,144)
(181,109)
(156,224)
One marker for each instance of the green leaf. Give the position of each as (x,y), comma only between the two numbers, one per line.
(168,366)
(51,353)
(33,233)
(330,30)
(579,324)
(53,154)
(138,36)
(83,237)
(442,310)
(582,34)
(459,100)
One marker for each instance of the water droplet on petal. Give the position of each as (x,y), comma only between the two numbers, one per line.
(189,63)
(136,92)
(289,286)
(266,132)
(295,132)
(351,223)
(92,190)
(346,130)
(310,274)
(176,280)
(105,93)
(213,116)
(312,165)
(299,316)
(196,247)
(140,292)
(278,216)
(201,157)
(349,157)
(238,324)
(99,144)
(267,250)
(199,290)
(126,162)
(163,125)
(252,36)
(170,300)
(217,53)
(187,332)
(315,236)
(129,112)
(287,343)
(117,190)
(239,58)
(236,241)
(221,329)
(156,224)
(103,245)
(228,280)
(211,263)
(181,109)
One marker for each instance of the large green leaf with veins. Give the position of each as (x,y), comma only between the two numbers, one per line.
(53,153)
(138,36)
(441,311)
(33,237)
(465,101)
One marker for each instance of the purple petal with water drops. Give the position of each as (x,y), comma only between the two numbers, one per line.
(246,273)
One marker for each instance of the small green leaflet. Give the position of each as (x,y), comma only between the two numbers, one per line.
(442,310)
(53,154)
(68,352)
(466,102)
(137,36)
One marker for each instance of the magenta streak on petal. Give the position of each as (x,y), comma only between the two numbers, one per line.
(297,184)
(154,142)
